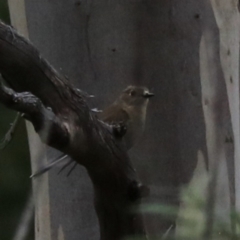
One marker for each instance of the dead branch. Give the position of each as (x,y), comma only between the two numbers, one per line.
(51,103)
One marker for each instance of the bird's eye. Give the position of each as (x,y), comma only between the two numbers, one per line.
(132,93)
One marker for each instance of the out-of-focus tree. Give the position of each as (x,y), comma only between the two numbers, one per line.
(14,166)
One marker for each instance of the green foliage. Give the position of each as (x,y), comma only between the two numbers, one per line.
(191,217)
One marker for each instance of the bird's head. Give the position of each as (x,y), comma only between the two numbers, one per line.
(135,96)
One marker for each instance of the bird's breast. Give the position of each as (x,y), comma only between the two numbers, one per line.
(135,127)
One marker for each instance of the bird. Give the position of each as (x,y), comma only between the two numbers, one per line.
(126,117)
(127,114)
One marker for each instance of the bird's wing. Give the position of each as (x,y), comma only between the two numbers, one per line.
(114,115)
(117,118)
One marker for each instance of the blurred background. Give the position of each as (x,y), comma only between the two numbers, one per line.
(14,166)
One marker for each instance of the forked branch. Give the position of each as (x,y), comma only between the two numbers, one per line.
(61,116)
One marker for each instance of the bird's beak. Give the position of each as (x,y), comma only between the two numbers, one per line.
(148,95)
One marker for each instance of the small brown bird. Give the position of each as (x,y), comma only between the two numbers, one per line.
(129,112)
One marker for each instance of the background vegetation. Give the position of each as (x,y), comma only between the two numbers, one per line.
(14,166)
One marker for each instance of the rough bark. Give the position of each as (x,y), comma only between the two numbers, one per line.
(54,106)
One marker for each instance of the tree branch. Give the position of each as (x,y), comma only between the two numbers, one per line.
(51,103)
(49,127)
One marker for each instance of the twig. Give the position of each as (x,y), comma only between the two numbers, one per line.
(73,167)
(48,167)
(9,135)
(166,234)
(64,166)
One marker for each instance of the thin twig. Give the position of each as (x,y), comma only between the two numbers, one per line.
(64,166)
(73,167)
(48,167)
(166,234)
(9,135)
